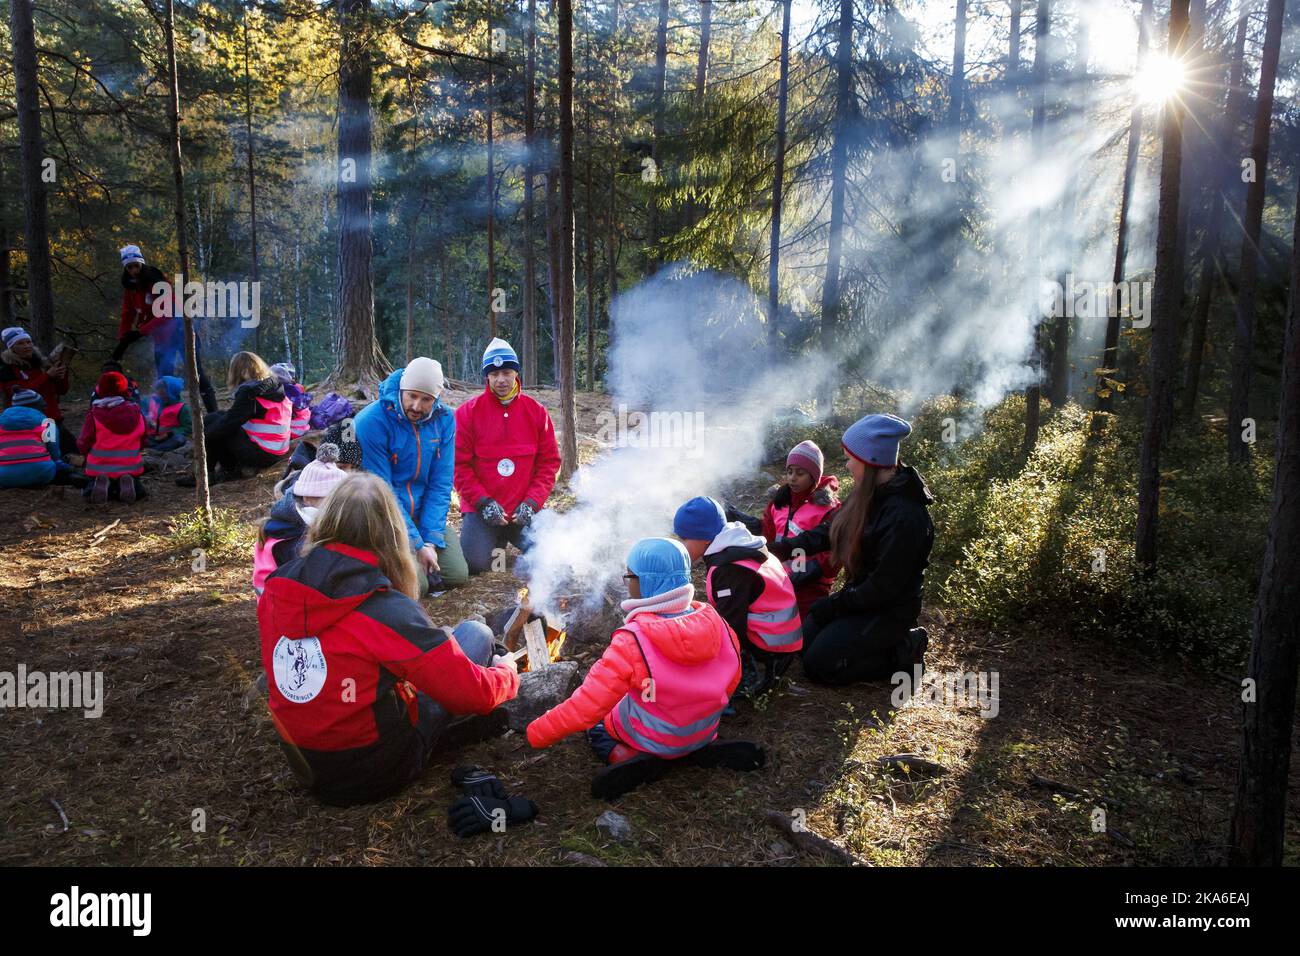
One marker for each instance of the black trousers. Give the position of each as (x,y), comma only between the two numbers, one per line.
(857,647)
(237,451)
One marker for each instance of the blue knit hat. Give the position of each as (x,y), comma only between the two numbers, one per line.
(660,565)
(499,354)
(25,397)
(131,253)
(175,387)
(700,519)
(874,439)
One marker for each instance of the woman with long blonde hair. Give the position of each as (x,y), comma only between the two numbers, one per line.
(881,536)
(362,685)
(254,431)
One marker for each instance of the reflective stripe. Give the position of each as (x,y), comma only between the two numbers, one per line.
(115,453)
(263,429)
(775,643)
(628,709)
(779,616)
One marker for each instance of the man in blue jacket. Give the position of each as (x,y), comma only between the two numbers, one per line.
(408,438)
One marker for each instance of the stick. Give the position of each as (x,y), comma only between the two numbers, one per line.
(811,842)
(99,534)
(62,816)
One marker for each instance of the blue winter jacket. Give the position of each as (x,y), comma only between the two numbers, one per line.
(416,460)
(33,474)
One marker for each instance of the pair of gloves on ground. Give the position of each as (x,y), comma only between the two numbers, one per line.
(486,807)
(491,511)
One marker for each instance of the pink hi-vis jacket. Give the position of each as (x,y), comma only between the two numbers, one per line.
(679,708)
(23,446)
(773,620)
(270,430)
(688,665)
(115,454)
(301,422)
(161,420)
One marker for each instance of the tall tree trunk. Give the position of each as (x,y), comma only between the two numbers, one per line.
(1259,816)
(252,178)
(553,264)
(202,498)
(491,189)
(590,240)
(1059,378)
(958,76)
(1222,185)
(566,344)
(778,181)
(444,280)
(361,364)
(702,63)
(656,145)
(1013,48)
(1110,352)
(6,291)
(1167,295)
(611,220)
(832,294)
(530,172)
(1042,34)
(1244,340)
(31,156)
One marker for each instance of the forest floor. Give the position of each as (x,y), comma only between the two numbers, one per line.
(1081,725)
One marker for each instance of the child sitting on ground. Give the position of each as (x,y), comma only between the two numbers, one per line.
(281,534)
(748,587)
(798,504)
(27,458)
(168,425)
(287,375)
(657,693)
(349,453)
(111,438)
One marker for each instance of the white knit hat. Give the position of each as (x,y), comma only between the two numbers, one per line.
(131,254)
(422,375)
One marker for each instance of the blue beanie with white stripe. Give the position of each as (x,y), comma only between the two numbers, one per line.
(499,354)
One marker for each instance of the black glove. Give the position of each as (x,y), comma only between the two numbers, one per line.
(782,548)
(491,512)
(811,572)
(435,582)
(752,524)
(470,815)
(823,611)
(477,782)
(524,514)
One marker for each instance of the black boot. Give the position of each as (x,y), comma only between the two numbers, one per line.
(465,731)
(732,754)
(620,778)
(911,653)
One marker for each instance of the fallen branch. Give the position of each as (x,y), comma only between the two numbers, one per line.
(62,816)
(99,535)
(912,765)
(811,842)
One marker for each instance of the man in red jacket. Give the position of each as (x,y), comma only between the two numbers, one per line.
(506,460)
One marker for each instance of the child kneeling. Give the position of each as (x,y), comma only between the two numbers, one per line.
(111,438)
(657,693)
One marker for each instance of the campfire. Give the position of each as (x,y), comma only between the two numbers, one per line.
(534,641)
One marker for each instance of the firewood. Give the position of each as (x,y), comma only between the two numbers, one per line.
(810,842)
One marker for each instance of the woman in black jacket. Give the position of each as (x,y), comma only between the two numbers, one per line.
(882,535)
(254,431)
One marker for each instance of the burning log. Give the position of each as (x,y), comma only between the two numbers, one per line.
(542,638)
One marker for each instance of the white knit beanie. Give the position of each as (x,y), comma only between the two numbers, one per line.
(422,375)
(319,478)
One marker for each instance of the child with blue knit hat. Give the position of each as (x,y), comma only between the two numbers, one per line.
(882,536)
(747,585)
(168,423)
(657,693)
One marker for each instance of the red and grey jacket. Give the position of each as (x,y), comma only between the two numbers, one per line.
(344,653)
(788,515)
(751,591)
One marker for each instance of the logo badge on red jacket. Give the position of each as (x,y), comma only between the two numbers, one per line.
(299,667)
(505,468)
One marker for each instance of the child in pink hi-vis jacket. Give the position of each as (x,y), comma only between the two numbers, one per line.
(282,532)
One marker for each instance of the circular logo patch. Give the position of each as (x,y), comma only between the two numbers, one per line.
(505,468)
(498,361)
(299,668)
